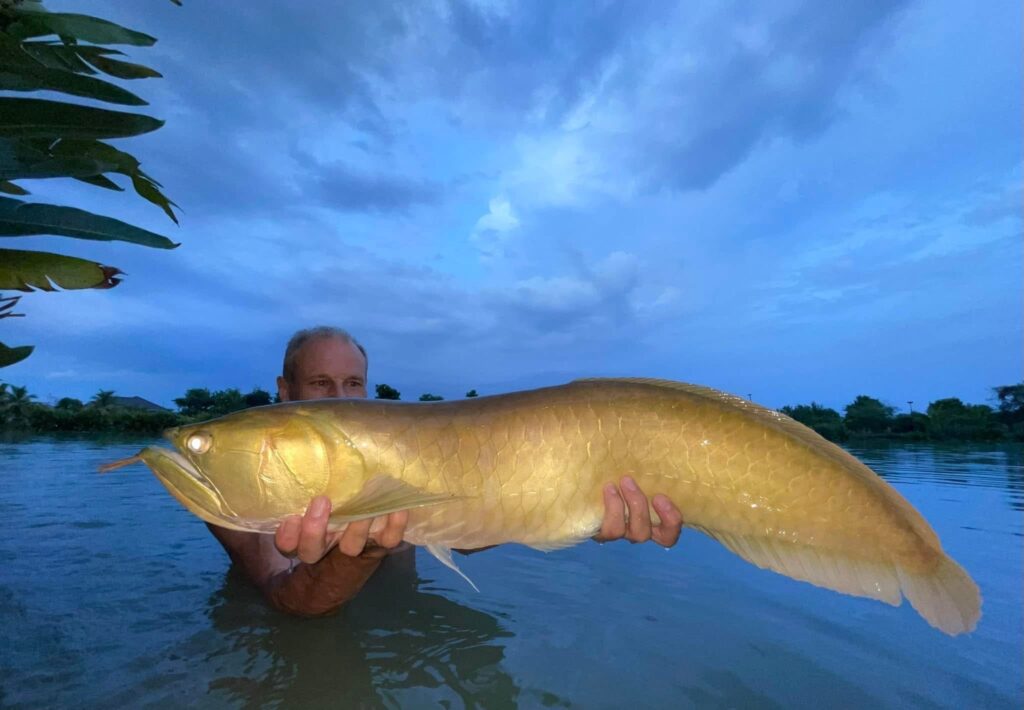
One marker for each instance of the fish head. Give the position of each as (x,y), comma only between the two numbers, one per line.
(249,469)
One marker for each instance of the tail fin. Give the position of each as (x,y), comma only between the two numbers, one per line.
(946,597)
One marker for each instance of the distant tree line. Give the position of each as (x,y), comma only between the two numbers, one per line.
(943,420)
(106,412)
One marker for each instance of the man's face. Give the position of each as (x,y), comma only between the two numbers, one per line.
(325,367)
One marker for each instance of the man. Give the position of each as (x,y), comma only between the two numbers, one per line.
(302,570)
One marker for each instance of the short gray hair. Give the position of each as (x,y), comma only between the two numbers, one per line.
(304,336)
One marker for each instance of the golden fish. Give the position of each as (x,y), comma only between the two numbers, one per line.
(529,467)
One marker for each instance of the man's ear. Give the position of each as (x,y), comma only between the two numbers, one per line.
(282,389)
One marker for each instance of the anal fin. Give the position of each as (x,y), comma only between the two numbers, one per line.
(444,554)
(945,595)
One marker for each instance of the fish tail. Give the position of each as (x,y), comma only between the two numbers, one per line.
(946,596)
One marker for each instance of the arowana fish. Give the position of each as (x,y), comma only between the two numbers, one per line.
(529,467)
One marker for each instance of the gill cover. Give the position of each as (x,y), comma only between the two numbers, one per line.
(267,463)
(188,487)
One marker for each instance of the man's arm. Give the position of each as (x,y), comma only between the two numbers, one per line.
(300,570)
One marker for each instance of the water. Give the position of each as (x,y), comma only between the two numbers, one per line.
(111,595)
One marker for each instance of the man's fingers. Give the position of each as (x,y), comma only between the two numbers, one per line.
(394,529)
(638,529)
(613,525)
(353,540)
(667,533)
(313,537)
(287,536)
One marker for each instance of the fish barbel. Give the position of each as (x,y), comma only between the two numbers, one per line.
(529,467)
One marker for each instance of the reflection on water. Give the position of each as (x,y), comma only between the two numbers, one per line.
(112,596)
(395,639)
(997,468)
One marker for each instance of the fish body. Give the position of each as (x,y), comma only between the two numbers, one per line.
(529,467)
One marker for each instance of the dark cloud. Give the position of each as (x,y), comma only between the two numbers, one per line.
(788,86)
(341,187)
(546,53)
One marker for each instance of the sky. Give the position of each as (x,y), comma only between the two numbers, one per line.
(773,199)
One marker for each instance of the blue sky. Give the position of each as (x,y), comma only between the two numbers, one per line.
(774,199)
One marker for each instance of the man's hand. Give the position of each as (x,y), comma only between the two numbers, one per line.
(306,536)
(638,528)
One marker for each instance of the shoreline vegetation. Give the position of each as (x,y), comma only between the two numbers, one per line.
(866,417)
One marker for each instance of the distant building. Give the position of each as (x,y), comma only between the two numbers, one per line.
(138,403)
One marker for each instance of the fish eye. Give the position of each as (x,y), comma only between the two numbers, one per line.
(199,443)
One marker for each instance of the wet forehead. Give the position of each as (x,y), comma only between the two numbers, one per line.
(333,357)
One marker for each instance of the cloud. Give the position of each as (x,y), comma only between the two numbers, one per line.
(339,187)
(493,229)
(706,103)
(595,300)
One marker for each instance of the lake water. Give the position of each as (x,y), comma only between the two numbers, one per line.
(111,595)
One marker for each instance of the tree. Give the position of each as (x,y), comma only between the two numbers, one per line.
(16,406)
(823,420)
(1011,403)
(387,392)
(43,138)
(914,424)
(430,397)
(227,401)
(196,402)
(257,398)
(1011,408)
(472,393)
(70,404)
(104,399)
(868,415)
(952,419)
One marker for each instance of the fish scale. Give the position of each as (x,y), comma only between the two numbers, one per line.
(529,467)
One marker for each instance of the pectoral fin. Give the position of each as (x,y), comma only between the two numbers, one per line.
(382,495)
(444,554)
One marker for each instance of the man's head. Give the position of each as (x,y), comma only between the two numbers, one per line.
(322,362)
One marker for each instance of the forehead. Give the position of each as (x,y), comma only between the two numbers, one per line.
(329,356)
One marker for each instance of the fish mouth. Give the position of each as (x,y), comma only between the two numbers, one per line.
(189,468)
(183,479)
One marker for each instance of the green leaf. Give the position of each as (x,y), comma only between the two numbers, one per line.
(102,181)
(7,304)
(122,70)
(148,190)
(9,356)
(19,159)
(58,56)
(20,71)
(101,153)
(8,187)
(39,118)
(31,23)
(19,219)
(84,160)
(32,270)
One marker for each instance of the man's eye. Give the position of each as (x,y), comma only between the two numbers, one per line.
(319,383)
